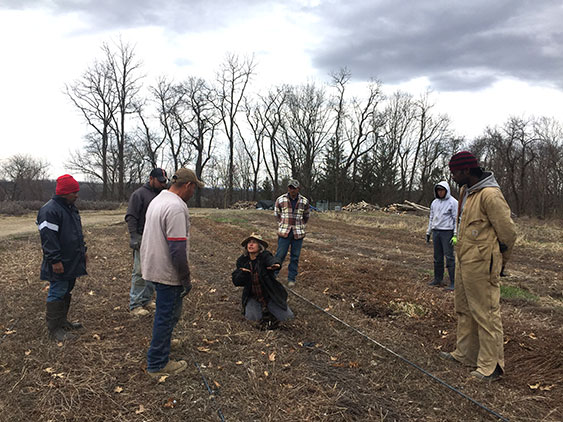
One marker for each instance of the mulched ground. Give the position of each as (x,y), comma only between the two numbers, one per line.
(369,270)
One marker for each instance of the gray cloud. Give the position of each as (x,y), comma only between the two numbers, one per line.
(175,15)
(456,44)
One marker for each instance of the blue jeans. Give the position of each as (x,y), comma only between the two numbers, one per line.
(59,289)
(443,248)
(283,246)
(166,316)
(253,311)
(141,290)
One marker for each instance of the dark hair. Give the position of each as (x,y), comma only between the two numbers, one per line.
(261,249)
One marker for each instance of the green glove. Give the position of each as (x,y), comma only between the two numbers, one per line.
(453,240)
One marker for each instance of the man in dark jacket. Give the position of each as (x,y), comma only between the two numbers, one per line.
(141,291)
(64,254)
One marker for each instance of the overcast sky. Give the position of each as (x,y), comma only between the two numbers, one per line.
(483,60)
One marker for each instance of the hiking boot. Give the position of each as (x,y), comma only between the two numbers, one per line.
(139,311)
(435,283)
(290,283)
(495,376)
(172,367)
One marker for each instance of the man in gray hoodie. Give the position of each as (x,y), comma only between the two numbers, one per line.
(441,225)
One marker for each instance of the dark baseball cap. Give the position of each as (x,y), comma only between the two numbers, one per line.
(159,174)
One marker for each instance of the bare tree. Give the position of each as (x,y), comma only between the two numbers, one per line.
(173,120)
(94,96)
(546,174)
(232,80)
(24,172)
(398,133)
(254,148)
(201,124)
(271,114)
(147,143)
(431,132)
(307,128)
(124,73)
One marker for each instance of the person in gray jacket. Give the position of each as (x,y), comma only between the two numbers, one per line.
(441,225)
(141,291)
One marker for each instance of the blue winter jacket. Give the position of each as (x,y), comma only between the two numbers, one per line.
(62,240)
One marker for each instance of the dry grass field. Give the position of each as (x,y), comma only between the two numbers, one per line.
(369,270)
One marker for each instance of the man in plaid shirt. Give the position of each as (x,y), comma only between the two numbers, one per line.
(292,212)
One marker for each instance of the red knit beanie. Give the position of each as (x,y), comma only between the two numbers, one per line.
(66,184)
(463,160)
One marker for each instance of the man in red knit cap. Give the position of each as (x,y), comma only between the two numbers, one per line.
(485,237)
(64,254)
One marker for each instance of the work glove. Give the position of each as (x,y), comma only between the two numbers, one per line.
(453,240)
(135,241)
(427,238)
(187,285)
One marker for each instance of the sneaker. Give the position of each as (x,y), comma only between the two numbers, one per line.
(435,283)
(290,283)
(495,376)
(172,367)
(139,311)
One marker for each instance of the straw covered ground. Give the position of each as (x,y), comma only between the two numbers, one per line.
(370,270)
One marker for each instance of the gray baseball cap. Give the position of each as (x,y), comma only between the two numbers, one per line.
(293,182)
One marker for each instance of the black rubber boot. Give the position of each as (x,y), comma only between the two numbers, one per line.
(451,273)
(67,325)
(55,321)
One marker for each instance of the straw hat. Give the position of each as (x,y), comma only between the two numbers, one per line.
(256,237)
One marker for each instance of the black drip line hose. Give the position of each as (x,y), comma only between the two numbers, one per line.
(211,393)
(414,365)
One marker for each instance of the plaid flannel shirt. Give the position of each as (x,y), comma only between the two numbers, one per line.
(288,219)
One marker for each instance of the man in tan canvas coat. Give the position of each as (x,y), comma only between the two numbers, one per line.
(485,237)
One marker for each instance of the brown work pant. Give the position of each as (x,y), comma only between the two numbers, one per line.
(479,326)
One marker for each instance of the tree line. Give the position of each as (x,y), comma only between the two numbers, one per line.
(247,144)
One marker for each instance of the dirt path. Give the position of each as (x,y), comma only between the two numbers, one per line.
(367,270)
(25,226)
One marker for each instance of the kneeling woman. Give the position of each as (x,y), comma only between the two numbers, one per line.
(263,295)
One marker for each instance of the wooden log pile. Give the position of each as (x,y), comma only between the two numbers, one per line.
(243,205)
(407,206)
(362,206)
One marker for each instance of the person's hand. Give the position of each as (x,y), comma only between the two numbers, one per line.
(246,269)
(187,284)
(274,267)
(453,240)
(427,238)
(135,241)
(58,267)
